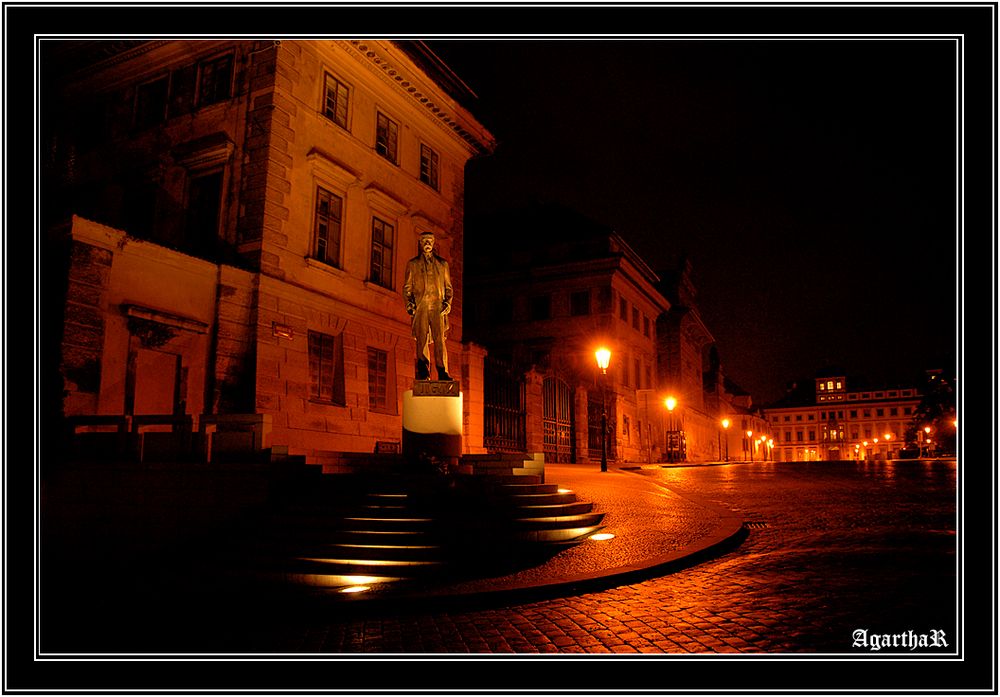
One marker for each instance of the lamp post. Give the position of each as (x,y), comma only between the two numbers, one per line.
(673,440)
(603,357)
(750,444)
(725,426)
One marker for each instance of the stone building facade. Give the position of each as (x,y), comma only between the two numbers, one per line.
(234,218)
(566,287)
(831,419)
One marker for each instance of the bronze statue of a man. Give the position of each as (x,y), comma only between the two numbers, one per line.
(427,292)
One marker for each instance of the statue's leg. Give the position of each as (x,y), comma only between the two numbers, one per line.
(421,333)
(440,350)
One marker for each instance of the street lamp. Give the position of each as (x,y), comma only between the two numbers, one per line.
(603,357)
(673,441)
(749,444)
(725,426)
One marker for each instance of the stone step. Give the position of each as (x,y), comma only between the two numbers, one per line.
(374,551)
(518,488)
(541,499)
(554,522)
(350,566)
(552,510)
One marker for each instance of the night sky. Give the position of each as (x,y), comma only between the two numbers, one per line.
(810,182)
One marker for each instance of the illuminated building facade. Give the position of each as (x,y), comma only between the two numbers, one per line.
(234,218)
(832,420)
(545,299)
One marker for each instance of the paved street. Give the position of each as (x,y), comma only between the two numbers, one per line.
(832,548)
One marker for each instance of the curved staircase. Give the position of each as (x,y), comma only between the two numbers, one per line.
(338,531)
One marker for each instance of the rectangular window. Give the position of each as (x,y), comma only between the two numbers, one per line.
(822,415)
(649,377)
(638,374)
(907,411)
(204,205)
(579,303)
(880,412)
(378,379)
(868,433)
(335,100)
(429,167)
(216,80)
(502,310)
(381,270)
(854,413)
(329,213)
(798,417)
(812,435)
(645,325)
(799,436)
(151,103)
(635,319)
(893,411)
(786,418)
(854,434)
(386,137)
(326,368)
(541,307)
(867,413)
(788,436)
(623,309)
(812,417)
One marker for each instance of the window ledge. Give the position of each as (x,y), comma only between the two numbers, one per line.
(324,266)
(322,403)
(378,288)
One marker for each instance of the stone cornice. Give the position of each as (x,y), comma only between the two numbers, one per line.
(88,57)
(378,56)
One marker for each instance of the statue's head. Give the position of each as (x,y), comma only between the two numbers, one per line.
(426,241)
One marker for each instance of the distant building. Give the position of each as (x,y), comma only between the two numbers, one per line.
(544,299)
(233,218)
(828,418)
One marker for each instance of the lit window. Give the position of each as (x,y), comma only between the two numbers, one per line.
(429,167)
(381,268)
(329,213)
(326,368)
(386,137)
(829,384)
(335,99)
(378,379)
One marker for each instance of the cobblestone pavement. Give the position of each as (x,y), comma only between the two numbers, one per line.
(832,547)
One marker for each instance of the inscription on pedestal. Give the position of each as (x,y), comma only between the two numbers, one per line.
(435,388)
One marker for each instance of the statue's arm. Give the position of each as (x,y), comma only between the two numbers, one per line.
(411,303)
(446,304)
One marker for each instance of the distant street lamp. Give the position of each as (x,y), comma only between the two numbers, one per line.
(725,426)
(749,444)
(603,357)
(673,440)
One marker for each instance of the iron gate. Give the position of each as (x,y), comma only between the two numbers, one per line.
(557,420)
(503,410)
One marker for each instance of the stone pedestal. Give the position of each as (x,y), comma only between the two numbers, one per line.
(432,422)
